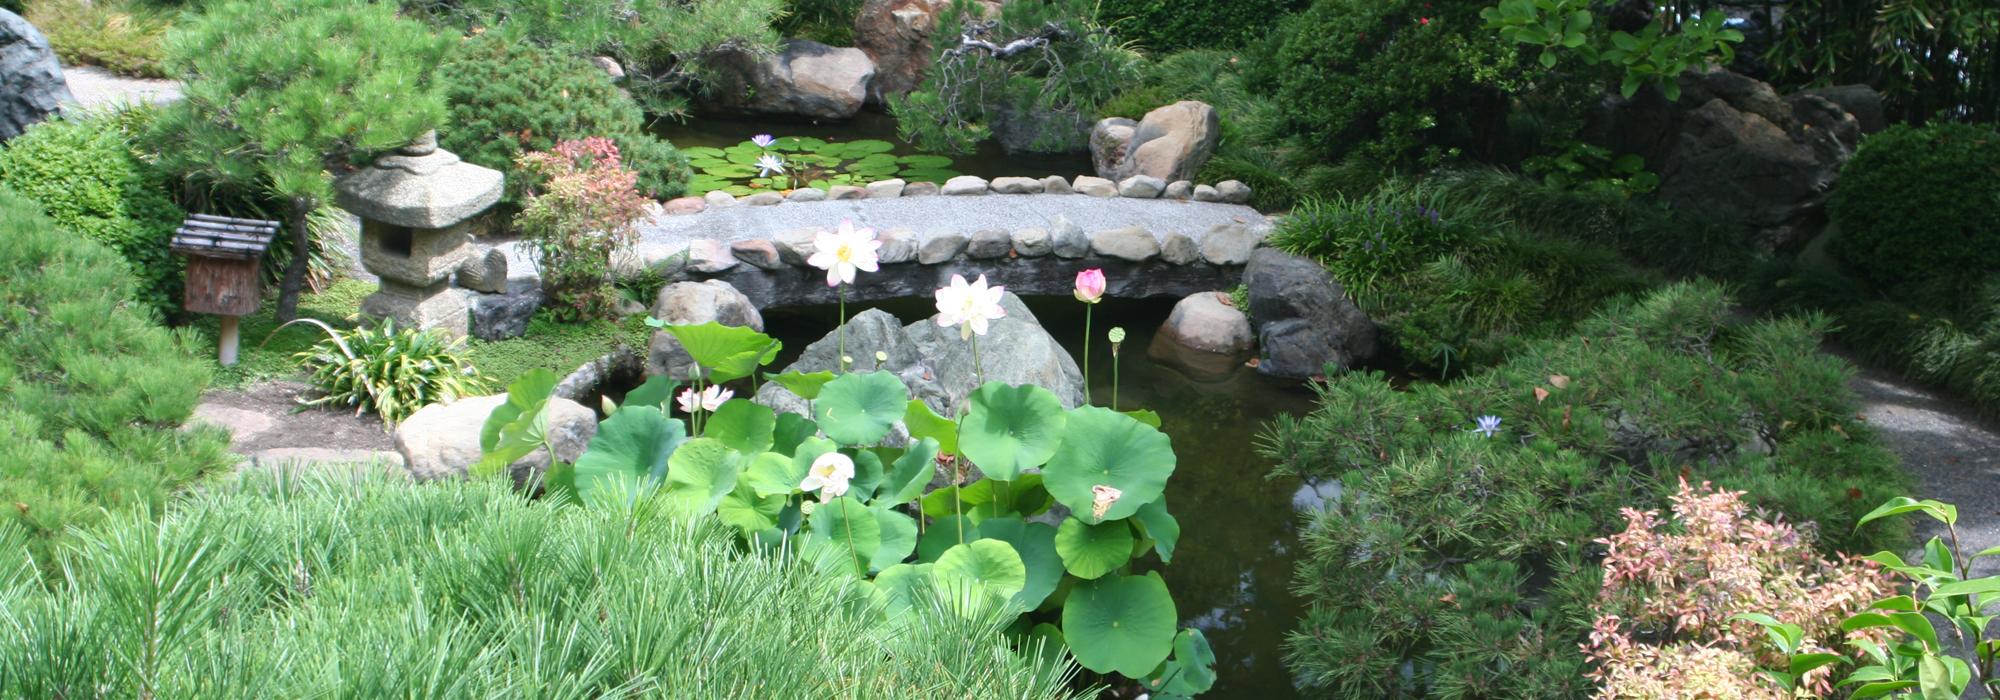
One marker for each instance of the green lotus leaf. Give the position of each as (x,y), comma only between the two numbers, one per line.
(701,472)
(774,474)
(1144,416)
(693,152)
(991,563)
(515,429)
(743,426)
(922,422)
(727,352)
(1091,551)
(1107,448)
(656,392)
(867,474)
(899,583)
(1028,495)
(747,510)
(851,527)
(1036,544)
(924,161)
(945,533)
(1011,428)
(910,473)
(792,429)
(928,175)
(1160,526)
(899,538)
(805,384)
(956,500)
(858,408)
(1196,662)
(1120,624)
(867,146)
(631,448)
(1045,641)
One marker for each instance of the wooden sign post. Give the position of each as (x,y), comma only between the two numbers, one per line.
(224,270)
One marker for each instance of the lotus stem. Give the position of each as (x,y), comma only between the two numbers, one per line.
(1087,308)
(841,331)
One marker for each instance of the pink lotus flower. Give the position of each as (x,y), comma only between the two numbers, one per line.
(1090,286)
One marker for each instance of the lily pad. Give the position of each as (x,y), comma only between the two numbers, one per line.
(852,528)
(631,448)
(1091,551)
(1120,624)
(859,408)
(1036,543)
(925,162)
(701,472)
(1011,428)
(992,564)
(1101,447)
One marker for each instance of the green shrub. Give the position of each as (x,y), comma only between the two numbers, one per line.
(1678,242)
(121,36)
(86,176)
(1172,25)
(92,395)
(388,371)
(1915,210)
(508,98)
(1458,565)
(325,587)
(829,22)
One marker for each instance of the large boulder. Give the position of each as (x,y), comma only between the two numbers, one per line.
(896,35)
(1110,140)
(694,303)
(806,79)
(1303,318)
(441,441)
(1171,143)
(1732,145)
(1206,337)
(31,80)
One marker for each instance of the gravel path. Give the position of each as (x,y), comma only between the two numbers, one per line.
(1954,453)
(939,214)
(95,87)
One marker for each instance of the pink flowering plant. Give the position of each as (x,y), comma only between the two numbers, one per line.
(578,216)
(1700,604)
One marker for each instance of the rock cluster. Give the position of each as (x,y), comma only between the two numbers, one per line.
(804,79)
(1171,143)
(1138,186)
(1304,320)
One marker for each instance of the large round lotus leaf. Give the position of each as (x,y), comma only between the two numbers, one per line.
(1120,624)
(749,512)
(852,528)
(805,384)
(727,352)
(1161,526)
(868,471)
(925,423)
(701,472)
(1196,662)
(1011,428)
(1036,543)
(943,534)
(899,538)
(1102,447)
(992,563)
(791,430)
(859,408)
(926,162)
(774,474)
(743,426)
(899,584)
(1091,551)
(631,447)
(910,473)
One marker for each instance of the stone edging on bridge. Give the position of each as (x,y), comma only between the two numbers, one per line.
(1134,187)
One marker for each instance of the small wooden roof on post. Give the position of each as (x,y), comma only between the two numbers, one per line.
(225,258)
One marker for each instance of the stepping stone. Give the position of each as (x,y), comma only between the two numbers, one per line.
(965,185)
(1129,243)
(886,189)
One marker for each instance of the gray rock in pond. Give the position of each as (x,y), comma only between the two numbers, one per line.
(31,79)
(1016,350)
(807,194)
(965,185)
(1179,249)
(441,441)
(1231,244)
(1017,185)
(1233,191)
(1056,184)
(920,189)
(846,192)
(941,248)
(694,303)
(1069,239)
(1141,187)
(1033,243)
(1095,186)
(1206,193)
(763,199)
(867,333)
(506,314)
(899,245)
(1208,322)
(804,79)
(1179,189)
(760,254)
(1130,243)
(1303,318)
(989,244)
(718,199)
(886,189)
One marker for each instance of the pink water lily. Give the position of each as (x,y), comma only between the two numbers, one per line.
(1090,286)
(844,251)
(969,306)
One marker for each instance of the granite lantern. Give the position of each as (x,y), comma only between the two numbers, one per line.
(415,206)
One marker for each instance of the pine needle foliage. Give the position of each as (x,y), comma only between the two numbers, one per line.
(329,586)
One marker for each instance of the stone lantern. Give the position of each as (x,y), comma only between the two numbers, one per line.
(414,207)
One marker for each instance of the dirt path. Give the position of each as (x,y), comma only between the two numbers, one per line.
(1954,453)
(268,433)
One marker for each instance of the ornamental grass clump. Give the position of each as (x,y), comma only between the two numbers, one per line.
(388,371)
(579,216)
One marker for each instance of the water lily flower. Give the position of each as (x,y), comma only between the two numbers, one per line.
(708,400)
(1101,498)
(763,140)
(840,253)
(969,306)
(1090,285)
(1487,425)
(768,164)
(829,475)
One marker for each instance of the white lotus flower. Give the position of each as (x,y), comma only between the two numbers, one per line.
(709,399)
(840,253)
(829,475)
(969,306)
(768,164)
(1101,498)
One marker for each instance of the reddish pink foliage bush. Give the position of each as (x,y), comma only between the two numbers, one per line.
(581,215)
(1664,627)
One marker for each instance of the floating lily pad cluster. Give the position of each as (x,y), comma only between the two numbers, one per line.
(810,162)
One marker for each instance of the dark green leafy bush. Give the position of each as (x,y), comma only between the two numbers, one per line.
(324,587)
(85,175)
(1172,25)
(1458,565)
(92,394)
(509,98)
(1915,207)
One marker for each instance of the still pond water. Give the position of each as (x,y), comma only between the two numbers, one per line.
(1232,571)
(989,161)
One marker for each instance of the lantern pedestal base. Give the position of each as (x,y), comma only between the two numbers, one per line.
(226,350)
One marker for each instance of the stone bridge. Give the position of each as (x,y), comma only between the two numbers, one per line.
(1030,235)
